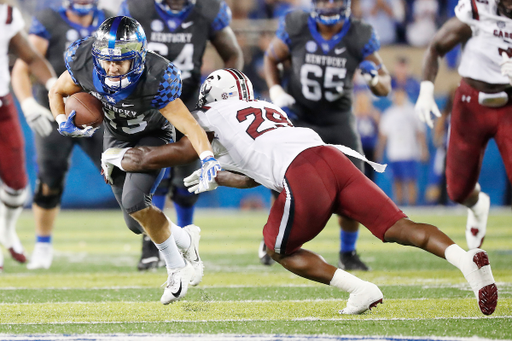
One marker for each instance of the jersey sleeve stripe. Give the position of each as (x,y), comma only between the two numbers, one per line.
(474,10)
(9,15)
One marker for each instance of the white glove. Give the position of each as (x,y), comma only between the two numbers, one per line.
(506,66)
(280,97)
(38,117)
(192,181)
(111,158)
(426,103)
(203,180)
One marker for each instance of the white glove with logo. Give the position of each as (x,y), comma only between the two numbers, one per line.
(38,117)
(111,158)
(506,66)
(203,180)
(426,103)
(280,97)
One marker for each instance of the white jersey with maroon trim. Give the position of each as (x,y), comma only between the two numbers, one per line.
(492,35)
(11,23)
(255,138)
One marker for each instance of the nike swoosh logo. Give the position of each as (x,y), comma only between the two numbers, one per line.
(340,51)
(187,24)
(124,105)
(177,293)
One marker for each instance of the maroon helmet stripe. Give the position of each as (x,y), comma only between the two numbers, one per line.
(245,88)
(9,15)
(237,82)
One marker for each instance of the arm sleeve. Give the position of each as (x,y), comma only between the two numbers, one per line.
(169,88)
(281,32)
(372,46)
(39,29)
(223,18)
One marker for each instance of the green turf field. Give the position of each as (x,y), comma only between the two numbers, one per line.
(93,285)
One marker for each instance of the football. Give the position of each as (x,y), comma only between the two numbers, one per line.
(89,110)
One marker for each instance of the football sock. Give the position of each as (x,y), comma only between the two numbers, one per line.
(454,254)
(169,252)
(159,201)
(480,207)
(181,237)
(345,281)
(348,241)
(43,239)
(9,216)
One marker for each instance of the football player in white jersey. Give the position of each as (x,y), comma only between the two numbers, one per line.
(482,105)
(256,141)
(13,176)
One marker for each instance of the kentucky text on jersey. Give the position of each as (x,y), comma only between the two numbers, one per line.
(325,60)
(121,112)
(171,37)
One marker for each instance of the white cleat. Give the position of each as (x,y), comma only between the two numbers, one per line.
(42,256)
(364,298)
(192,254)
(177,283)
(477,271)
(477,221)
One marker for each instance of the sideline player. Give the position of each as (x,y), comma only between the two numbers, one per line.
(52,31)
(325,47)
(139,91)
(481,105)
(256,140)
(13,175)
(179,30)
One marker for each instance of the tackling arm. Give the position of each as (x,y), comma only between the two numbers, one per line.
(235,180)
(227,46)
(140,159)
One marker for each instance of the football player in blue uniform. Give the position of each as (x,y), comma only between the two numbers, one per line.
(179,30)
(140,93)
(325,47)
(52,31)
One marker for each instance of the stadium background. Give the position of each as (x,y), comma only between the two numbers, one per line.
(85,187)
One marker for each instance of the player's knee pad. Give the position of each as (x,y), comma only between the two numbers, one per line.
(50,200)
(13,198)
(183,197)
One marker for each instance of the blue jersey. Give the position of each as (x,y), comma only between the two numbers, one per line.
(132,112)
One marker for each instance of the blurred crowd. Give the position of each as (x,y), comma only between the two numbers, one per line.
(397,22)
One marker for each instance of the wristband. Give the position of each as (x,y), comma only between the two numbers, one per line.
(205,154)
(49,83)
(60,118)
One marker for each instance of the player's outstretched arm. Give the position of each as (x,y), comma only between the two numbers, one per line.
(230,179)
(140,159)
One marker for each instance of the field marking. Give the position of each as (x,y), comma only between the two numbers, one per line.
(227,337)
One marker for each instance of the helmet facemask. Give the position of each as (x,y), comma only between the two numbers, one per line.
(175,8)
(225,84)
(81,7)
(119,39)
(330,12)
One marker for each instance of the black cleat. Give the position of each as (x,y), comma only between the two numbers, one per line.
(150,258)
(350,261)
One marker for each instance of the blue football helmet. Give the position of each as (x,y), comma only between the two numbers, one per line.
(81,7)
(330,12)
(175,8)
(120,38)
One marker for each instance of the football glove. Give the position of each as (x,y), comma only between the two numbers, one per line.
(38,117)
(370,72)
(426,103)
(68,128)
(280,97)
(203,179)
(506,66)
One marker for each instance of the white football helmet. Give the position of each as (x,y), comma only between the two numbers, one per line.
(225,84)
